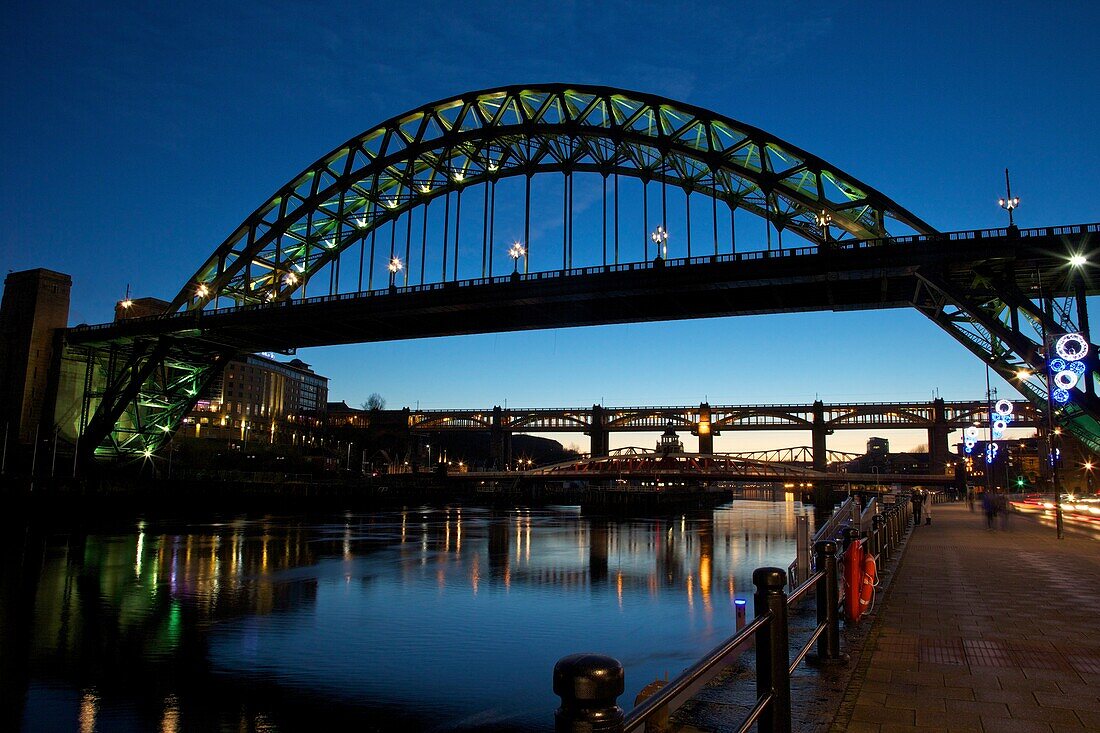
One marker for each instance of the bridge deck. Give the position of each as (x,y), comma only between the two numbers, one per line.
(983,630)
(856,275)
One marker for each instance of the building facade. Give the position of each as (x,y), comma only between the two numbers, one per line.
(35,306)
(258,398)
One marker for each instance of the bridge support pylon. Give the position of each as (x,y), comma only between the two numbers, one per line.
(497,447)
(819,432)
(704,430)
(598,432)
(938,447)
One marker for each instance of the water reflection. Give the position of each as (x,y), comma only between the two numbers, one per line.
(441,618)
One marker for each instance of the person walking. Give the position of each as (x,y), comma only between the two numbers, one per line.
(918,502)
(989,506)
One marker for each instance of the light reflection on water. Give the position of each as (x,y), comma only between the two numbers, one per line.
(429,618)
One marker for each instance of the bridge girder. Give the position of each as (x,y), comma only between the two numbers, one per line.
(485,136)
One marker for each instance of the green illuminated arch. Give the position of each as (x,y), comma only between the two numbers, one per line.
(482,136)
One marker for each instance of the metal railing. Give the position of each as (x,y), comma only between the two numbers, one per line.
(589,684)
(813,250)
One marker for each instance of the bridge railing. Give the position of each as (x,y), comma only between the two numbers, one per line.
(843,244)
(589,684)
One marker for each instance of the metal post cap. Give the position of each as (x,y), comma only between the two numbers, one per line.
(588,677)
(876,521)
(826,547)
(851,533)
(771,578)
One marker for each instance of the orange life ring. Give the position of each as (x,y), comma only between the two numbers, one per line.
(867,587)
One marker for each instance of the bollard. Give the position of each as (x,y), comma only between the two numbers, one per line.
(588,685)
(876,534)
(772,650)
(828,602)
(851,534)
(739,609)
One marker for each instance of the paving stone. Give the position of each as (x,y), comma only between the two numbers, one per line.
(1009,725)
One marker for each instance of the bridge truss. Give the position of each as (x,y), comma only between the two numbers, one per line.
(308,265)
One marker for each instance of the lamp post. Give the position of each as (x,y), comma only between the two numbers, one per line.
(823,220)
(395,266)
(1088,477)
(516,251)
(1009,203)
(660,238)
(126,303)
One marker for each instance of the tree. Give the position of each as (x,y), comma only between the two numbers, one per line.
(374,402)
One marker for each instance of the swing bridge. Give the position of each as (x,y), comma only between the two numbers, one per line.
(549,206)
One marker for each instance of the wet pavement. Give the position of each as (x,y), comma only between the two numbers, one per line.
(983,630)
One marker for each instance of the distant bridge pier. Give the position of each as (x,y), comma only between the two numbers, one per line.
(704,431)
(939,449)
(498,440)
(818,434)
(598,432)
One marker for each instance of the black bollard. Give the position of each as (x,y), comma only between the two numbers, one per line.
(588,685)
(773,657)
(828,604)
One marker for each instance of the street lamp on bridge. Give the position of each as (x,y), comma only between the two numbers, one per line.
(823,220)
(516,251)
(395,266)
(1009,203)
(660,238)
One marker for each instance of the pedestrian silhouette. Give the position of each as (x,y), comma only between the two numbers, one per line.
(918,502)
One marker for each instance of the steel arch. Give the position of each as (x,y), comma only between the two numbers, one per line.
(485,136)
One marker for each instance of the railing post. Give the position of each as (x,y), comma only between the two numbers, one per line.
(851,535)
(773,658)
(828,602)
(589,686)
(876,532)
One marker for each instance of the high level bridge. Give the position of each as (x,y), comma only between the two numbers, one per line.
(402,231)
(938,417)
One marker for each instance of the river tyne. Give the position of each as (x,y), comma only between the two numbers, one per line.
(428,618)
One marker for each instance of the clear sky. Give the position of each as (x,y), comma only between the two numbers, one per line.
(136,136)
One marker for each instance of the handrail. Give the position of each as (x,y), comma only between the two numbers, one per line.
(757,710)
(812,251)
(797,594)
(818,631)
(691,680)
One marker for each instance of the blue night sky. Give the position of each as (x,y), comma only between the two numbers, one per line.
(138,136)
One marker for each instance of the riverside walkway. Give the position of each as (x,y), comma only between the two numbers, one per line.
(993,631)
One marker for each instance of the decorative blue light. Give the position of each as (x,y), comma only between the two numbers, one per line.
(1077,367)
(1072,347)
(1066,379)
(1057,365)
(1060,396)
(991,453)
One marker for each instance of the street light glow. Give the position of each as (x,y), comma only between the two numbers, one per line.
(395,265)
(1077,260)
(660,238)
(1023,374)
